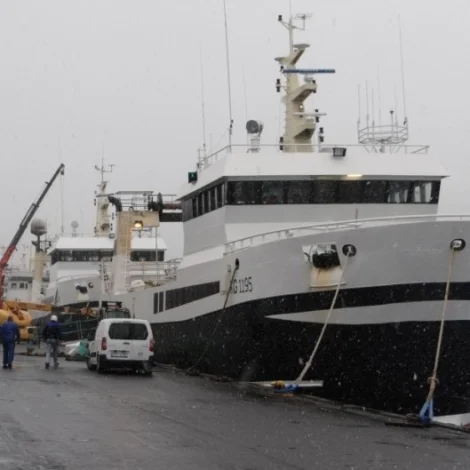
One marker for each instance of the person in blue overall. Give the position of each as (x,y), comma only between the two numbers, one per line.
(10,333)
(51,336)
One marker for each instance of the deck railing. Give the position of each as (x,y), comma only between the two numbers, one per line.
(205,161)
(303,230)
(149,268)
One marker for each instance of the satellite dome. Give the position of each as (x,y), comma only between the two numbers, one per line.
(38,227)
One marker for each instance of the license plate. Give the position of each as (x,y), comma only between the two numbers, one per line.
(119,353)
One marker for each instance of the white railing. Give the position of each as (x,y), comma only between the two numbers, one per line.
(93,235)
(146,267)
(208,160)
(299,231)
(75,277)
(75,235)
(152,271)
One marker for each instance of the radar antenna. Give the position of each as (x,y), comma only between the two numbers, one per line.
(254,130)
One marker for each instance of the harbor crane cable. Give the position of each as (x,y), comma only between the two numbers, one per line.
(229,291)
(426,413)
(325,324)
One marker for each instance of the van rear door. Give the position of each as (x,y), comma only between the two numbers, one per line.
(128,341)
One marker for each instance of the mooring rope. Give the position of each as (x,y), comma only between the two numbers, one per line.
(229,291)
(433,380)
(325,324)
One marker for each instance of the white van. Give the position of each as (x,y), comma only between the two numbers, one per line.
(121,343)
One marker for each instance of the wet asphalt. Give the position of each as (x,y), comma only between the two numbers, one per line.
(75,419)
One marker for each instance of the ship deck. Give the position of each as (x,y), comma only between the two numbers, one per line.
(73,419)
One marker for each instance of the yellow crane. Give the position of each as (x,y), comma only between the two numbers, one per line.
(21,316)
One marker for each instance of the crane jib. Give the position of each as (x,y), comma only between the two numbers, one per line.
(23,226)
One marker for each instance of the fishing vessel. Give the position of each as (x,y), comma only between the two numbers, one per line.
(79,268)
(304,246)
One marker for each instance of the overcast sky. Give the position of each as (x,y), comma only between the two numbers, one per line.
(80,76)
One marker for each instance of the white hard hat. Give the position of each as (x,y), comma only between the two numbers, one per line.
(54,318)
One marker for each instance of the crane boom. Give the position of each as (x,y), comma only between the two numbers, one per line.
(22,228)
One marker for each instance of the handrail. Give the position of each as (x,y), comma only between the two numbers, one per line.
(206,161)
(280,234)
(135,265)
(92,235)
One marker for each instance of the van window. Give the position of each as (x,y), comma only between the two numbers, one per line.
(135,331)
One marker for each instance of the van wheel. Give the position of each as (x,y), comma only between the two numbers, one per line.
(99,366)
(89,364)
(147,369)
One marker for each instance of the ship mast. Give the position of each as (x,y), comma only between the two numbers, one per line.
(300,125)
(103,225)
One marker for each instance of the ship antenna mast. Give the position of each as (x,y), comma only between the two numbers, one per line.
(300,125)
(103,225)
(102,169)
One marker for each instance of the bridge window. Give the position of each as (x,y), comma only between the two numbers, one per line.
(326,191)
(398,192)
(200,204)
(213,205)
(81,255)
(349,192)
(220,195)
(424,192)
(273,192)
(239,192)
(300,192)
(106,256)
(143,255)
(374,192)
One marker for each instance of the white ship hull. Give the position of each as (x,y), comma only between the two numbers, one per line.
(380,342)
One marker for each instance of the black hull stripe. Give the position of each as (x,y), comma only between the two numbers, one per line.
(347,298)
(358,297)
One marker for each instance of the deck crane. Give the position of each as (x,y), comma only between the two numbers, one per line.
(22,228)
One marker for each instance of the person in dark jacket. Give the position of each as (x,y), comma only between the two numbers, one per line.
(51,336)
(10,333)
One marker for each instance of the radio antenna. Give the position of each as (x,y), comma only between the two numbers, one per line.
(246,100)
(204,146)
(228,79)
(402,70)
(378,96)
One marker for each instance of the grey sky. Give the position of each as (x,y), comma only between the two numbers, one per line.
(77,75)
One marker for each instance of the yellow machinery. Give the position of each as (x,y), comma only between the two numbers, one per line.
(21,316)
